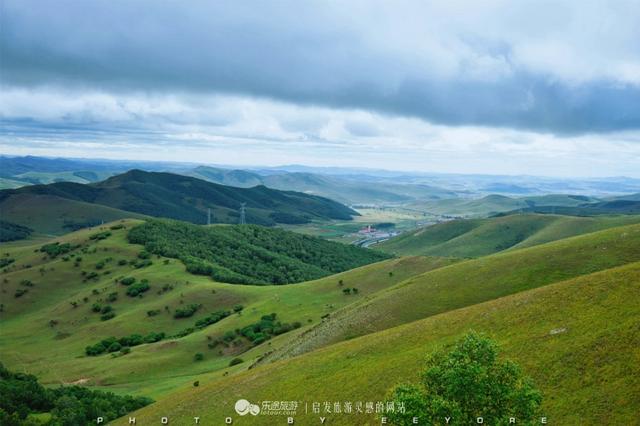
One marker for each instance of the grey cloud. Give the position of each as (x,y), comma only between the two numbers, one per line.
(326,54)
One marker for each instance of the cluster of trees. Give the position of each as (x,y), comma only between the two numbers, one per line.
(187,311)
(10,231)
(107,311)
(6,261)
(113,344)
(212,318)
(134,287)
(249,254)
(21,395)
(55,249)
(100,236)
(262,330)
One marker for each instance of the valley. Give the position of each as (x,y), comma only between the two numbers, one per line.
(189,317)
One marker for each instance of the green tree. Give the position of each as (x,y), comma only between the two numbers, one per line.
(465,383)
(69,411)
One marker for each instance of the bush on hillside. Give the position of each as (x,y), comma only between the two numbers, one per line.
(464,383)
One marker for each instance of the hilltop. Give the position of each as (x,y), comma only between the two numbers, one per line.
(160,195)
(480,237)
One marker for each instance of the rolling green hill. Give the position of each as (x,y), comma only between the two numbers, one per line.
(619,206)
(480,237)
(493,204)
(475,281)
(575,338)
(161,195)
(365,329)
(48,326)
(53,215)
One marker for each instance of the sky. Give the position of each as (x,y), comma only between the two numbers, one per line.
(500,87)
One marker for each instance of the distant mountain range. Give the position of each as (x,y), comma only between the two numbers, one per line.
(349,186)
(343,189)
(137,193)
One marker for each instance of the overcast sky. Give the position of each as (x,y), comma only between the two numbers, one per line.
(513,87)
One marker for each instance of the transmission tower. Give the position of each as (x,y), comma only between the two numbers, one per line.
(243,219)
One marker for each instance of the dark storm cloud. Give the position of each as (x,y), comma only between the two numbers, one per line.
(312,53)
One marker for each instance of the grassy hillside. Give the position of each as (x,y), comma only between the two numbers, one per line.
(46,329)
(493,204)
(250,254)
(164,195)
(620,206)
(575,338)
(479,237)
(475,281)
(52,215)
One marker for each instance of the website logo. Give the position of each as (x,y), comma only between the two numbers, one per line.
(244,407)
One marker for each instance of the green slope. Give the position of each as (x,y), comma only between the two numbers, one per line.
(43,333)
(479,237)
(52,215)
(576,338)
(173,196)
(475,281)
(492,204)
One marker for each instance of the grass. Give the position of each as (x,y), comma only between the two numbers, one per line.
(475,281)
(56,353)
(584,368)
(61,214)
(480,237)
(405,308)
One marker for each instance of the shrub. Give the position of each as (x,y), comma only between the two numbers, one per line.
(137,288)
(55,249)
(107,316)
(112,297)
(451,382)
(100,236)
(20,292)
(198,357)
(127,280)
(238,308)
(235,361)
(187,311)
(196,383)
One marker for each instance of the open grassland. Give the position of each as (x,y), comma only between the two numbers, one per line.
(48,214)
(474,281)
(480,237)
(46,330)
(577,339)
